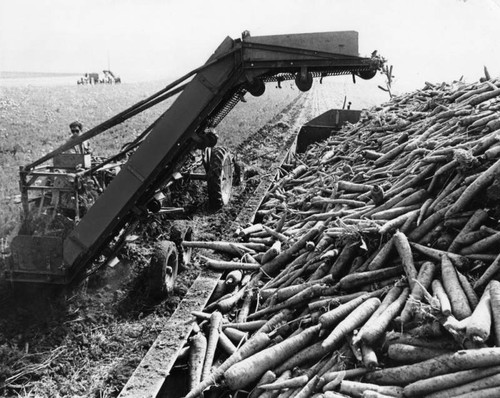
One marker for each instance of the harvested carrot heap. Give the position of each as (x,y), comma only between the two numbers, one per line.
(372,269)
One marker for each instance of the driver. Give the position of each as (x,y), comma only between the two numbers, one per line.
(83,147)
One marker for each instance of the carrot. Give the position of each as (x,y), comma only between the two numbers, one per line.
(356,389)
(459,304)
(358,279)
(233,278)
(438,383)
(231,248)
(297,300)
(482,245)
(423,210)
(296,264)
(488,274)
(229,265)
(333,301)
(371,154)
(468,290)
(338,375)
(478,218)
(447,363)
(354,187)
(392,295)
(368,357)
(425,276)
(373,330)
(491,392)
(244,232)
(440,294)
(348,252)
(255,344)
(390,203)
(276,234)
(478,325)
(429,223)
(355,319)
(274,393)
(275,264)
(333,317)
(397,222)
(405,338)
(494,288)
(268,377)
(415,198)
(298,381)
(308,389)
(235,335)
(406,353)
(379,259)
(479,98)
(285,293)
(377,194)
(471,237)
(226,344)
(307,354)
(244,310)
(474,188)
(197,354)
(391,214)
(374,394)
(248,370)
(213,338)
(404,251)
(249,326)
(410,222)
(468,389)
(276,320)
(272,252)
(461,262)
(226,304)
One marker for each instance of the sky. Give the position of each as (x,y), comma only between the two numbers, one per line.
(425,40)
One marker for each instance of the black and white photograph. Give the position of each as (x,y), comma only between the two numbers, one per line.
(250,199)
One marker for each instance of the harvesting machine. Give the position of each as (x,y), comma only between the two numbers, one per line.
(79,210)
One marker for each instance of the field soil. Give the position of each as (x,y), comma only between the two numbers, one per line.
(86,340)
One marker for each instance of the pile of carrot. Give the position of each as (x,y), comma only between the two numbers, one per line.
(372,269)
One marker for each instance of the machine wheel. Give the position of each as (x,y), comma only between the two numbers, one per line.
(220,177)
(304,84)
(163,269)
(367,74)
(256,88)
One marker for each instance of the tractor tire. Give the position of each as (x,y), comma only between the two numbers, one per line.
(163,269)
(220,177)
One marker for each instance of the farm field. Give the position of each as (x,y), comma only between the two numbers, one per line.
(34,120)
(87,342)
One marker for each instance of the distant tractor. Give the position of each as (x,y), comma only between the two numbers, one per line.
(110,78)
(107,77)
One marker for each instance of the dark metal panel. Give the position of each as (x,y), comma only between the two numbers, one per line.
(342,42)
(323,126)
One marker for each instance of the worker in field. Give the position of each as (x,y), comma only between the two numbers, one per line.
(83,147)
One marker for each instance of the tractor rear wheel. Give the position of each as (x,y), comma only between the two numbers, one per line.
(163,269)
(220,177)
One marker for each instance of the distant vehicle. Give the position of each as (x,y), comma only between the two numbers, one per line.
(107,77)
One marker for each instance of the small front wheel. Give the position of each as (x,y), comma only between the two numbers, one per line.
(163,269)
